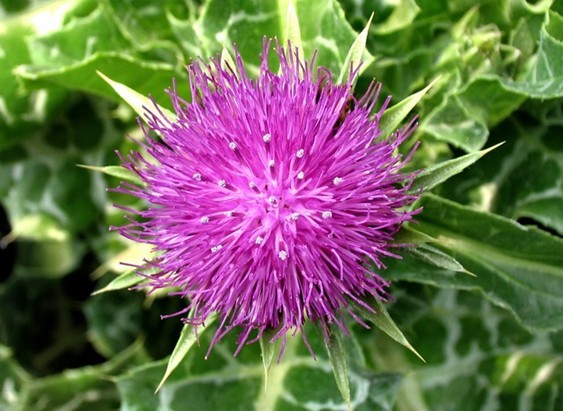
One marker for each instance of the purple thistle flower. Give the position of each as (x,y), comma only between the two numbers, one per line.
(269,199)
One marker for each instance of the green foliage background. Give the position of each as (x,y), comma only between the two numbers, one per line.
(492,341)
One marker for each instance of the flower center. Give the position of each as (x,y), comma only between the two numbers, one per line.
(278,203)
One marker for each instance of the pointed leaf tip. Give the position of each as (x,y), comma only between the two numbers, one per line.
(409,235)
(185,343)
(436,257)
(438,173)
(136,101)
(382,320)
(292,28)
(227,60)
(126,280)
(268,350)
(354,56)
(394,116)
(339,363)
(115,171)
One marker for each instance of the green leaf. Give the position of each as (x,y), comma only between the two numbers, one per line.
(382,320)
(463,118)
(13,378)
(115,321)
(298,382)
(101,40)
(133,253)
(516,267)
(146,77)
(544,78)
(123,318)
(268,350)
(137,101)
(329,33)
(53,48)
(476,353)
(224,23)
(394,116)
(39,227)
(227,60)
(355,55)
(116,171)
(48,199)
(186,341)
(523,179)
(408,235)
(40,238)
(80,389)
(437,258)
(402,16)
(48,258)
(486,100)
(184,29)
(292,32)
(22,115)
(142,23)
(339,363)
(453,123)
(125,280)
(437,174)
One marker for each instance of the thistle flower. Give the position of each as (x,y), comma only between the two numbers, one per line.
(269,199)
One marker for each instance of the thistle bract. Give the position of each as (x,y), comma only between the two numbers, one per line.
(270,200)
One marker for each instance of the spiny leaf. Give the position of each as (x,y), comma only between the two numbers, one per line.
(185,342)
(437,258)
(292,29)
(408,235)
(268,349)
(339,363)
(392,117)
(137,101)
(354,56)
(518,267)
(227,60)
(125,280)
(437,174)
(116,171)
(382,320)
(134,255)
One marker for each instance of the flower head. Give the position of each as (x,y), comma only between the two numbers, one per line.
(269,199)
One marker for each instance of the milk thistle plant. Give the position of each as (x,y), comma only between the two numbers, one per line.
(315,205)
(273,201)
